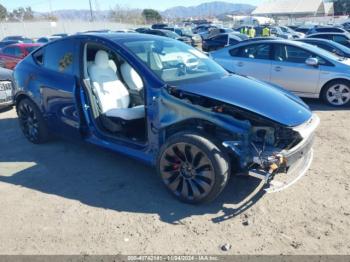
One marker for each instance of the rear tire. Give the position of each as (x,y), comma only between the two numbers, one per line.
(336,93)
(32,122)
(193,167)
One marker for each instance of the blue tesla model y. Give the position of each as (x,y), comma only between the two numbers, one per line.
(165,103)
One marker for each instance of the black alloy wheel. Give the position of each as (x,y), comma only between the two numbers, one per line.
(193,168)
(31,122)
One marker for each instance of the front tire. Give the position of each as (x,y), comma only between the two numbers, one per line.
(336,93)
(32,122)
(193,168)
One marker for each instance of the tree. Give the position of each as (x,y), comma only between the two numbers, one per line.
(22,13)
(341,7)
(125,15)
(151,15)
(3,12)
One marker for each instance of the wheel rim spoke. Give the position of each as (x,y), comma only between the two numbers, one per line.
(187,171)
(338,95)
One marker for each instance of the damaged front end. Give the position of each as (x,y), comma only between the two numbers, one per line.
(278,155)
(262,147)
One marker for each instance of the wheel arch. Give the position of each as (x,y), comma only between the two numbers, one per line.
(19,97)
(332,81)
(206,128)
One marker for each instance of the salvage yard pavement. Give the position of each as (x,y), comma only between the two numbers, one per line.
(74,198)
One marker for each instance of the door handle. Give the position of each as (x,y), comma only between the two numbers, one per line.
(240,64)
(278,68)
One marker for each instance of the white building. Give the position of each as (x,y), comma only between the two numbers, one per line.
(294,8)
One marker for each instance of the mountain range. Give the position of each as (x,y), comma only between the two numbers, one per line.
(208,9)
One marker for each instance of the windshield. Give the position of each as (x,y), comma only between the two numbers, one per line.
(175,62)
(171,34)
(187,31)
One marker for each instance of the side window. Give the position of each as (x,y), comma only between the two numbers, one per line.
(232,41)
(39,57)
(234,52)
(328,37)
(9,51)
(59,56)
(293,54)
(258,51)
(220,38)
(18,52)
(340,39)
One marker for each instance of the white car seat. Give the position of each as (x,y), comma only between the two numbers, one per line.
(113,96)
(131,77)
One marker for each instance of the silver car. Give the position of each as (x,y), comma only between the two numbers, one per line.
(306,70)
(6,88)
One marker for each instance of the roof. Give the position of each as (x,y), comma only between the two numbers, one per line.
(26,44)
(115,36)
(290,7)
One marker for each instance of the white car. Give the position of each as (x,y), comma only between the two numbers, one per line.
(306,70)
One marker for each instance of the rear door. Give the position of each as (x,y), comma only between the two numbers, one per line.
(56,78)
(253,60)
(290,71)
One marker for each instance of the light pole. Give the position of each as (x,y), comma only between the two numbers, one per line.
(91,14)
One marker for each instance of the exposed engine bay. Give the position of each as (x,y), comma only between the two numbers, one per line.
(267,141)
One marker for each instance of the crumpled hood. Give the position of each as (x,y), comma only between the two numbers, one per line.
(257,97)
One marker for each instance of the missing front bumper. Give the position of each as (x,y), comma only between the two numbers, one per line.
(280,181)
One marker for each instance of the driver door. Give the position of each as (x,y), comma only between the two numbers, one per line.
(289,70)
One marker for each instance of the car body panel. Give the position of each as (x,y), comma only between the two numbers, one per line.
(242,92)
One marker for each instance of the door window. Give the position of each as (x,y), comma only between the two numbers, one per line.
(9,51)
(257,51)
(18,52)
(340,39)
(328,37)
(293,54)
(220,38)
(59,56)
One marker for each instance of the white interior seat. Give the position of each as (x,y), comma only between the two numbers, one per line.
(131,77)
(112,65)
(113,96)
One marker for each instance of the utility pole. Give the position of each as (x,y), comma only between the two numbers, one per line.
(91,14)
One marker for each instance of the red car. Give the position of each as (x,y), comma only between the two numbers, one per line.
(12,54)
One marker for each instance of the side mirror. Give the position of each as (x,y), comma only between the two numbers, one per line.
(312,61)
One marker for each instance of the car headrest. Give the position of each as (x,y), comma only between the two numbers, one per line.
(101,59)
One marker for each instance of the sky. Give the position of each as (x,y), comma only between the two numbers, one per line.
(44,5)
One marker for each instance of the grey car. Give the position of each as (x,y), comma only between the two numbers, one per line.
(304,69)
(6,88)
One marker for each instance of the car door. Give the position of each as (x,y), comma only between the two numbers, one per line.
(56,78)
(253,60)
(289,70)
